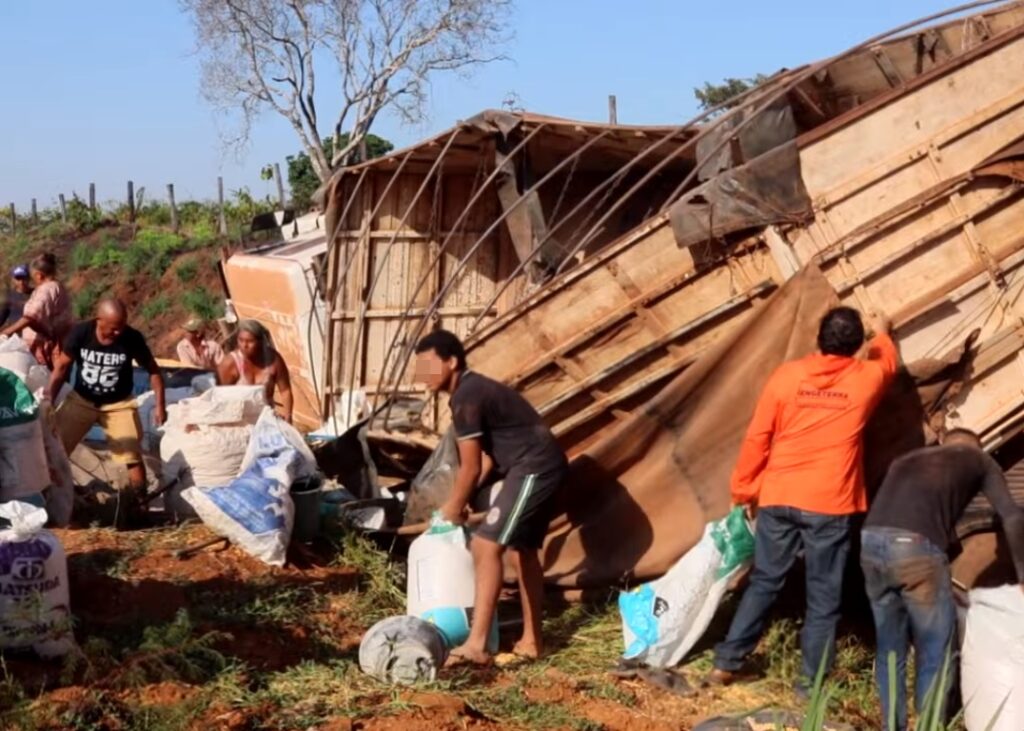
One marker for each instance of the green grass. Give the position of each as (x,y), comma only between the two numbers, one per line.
(84,300)
(382,580)
(203,304)
(155,307)
(187,271)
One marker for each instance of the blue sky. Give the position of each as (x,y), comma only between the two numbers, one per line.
(107,91)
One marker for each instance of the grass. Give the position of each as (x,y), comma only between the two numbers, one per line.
(187,271)
(382,581)
(84,300)
(203,304)
(512,706)
(155,307)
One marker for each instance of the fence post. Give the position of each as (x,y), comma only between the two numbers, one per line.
(131,202)
(92,196)
(35,212)
(63,209)
(222,222)
(14,220)
(280,184)
(613,110)
(174,208)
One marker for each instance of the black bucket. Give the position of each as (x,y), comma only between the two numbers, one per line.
(306,494)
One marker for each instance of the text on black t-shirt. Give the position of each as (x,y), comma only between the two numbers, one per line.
(105,371)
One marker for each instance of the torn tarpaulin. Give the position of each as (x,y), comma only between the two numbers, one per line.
(767,190)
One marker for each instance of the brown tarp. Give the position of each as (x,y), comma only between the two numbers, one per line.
(767,190)
(639,499)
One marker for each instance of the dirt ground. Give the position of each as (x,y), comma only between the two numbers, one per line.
(221,641)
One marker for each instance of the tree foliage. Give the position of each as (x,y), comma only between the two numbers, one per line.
(712,95)
(259,55)
(303,179)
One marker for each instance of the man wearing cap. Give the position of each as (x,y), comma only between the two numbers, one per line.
(196,350)
(17,295)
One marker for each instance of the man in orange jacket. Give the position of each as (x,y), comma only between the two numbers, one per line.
(800,468)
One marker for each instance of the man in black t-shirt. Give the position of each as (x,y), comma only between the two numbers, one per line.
(904,546)
(500,436)
(102,351)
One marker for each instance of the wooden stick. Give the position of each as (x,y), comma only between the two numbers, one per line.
(35,212)
(174,208)
(92,196)
(613,112)
(63,208)
(131,202)
(221,220)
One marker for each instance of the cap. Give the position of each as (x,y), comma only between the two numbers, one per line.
(194,325)
(20,272)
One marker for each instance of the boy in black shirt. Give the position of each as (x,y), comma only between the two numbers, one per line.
(497,429)
(904,547)
(102,351)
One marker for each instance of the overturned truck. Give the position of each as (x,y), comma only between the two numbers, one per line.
(888,177)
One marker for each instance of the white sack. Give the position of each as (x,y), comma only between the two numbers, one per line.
(992,660)
(256,512)
(34,607)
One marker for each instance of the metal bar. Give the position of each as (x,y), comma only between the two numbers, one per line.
(360,324)
(441,250)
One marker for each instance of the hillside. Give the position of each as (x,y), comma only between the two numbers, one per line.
(164,277)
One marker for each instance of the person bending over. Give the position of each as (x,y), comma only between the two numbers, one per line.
(497,429)
(904,545)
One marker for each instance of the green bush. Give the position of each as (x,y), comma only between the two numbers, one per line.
(81,258)
(106,254)
(187,271)
(203,304)
(203,235)
(84,300)
(155,307)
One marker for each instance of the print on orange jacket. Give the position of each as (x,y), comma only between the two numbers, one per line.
(803,448)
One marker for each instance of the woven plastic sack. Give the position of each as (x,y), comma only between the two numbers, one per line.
(663,619)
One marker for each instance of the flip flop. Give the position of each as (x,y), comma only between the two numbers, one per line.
(458,660)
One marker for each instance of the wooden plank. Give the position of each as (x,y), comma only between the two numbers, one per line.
(859,277)
(661,342)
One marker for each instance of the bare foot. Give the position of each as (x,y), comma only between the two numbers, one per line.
(527,648)
(464,655)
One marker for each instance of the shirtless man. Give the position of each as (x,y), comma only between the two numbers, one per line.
(254,362)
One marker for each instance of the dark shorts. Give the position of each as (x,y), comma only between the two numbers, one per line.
(519,515)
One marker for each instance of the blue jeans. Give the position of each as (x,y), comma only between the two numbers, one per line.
(911,593)
(781,533)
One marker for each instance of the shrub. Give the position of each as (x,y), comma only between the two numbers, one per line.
(85,299)
(203,235)
(187,271)
(155,307)
(106,254)
(203,304)
(81,258)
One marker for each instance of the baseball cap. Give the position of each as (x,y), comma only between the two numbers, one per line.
(20,272)
(194,325)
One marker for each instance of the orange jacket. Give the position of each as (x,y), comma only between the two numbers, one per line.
(803,448)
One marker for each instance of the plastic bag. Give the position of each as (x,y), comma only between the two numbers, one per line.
(434,482)
(992,660)
(23,467)
(60,497)
(255,511)
(33,584)
(662,620)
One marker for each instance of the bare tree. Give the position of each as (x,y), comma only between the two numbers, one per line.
(262,54)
